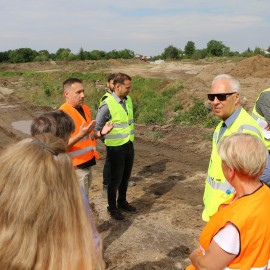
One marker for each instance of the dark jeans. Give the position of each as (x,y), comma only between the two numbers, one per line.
(121,161)
(106,171)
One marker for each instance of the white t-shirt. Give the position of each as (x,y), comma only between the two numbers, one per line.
(228,239)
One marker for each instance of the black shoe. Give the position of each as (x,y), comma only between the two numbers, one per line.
(127,208)
(116,214)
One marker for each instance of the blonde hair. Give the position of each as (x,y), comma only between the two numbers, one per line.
(245,153)
(43,222)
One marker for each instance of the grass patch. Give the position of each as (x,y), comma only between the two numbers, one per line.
(153,99)
(198,114)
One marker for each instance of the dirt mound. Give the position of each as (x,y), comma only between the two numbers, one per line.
(257,66)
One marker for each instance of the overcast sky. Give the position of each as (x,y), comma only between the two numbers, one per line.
(144,26)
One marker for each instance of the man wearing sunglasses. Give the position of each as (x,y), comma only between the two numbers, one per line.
(225,102)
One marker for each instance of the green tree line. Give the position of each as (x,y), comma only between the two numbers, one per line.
(214,49)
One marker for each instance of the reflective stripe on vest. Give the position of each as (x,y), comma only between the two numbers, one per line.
(84,138)
(118,136)
(120,125)
(250,128)
(82,151)
(223,186)
(255,116)
(240,130)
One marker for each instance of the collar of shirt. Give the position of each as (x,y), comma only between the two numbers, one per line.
(232,118)
(118,99)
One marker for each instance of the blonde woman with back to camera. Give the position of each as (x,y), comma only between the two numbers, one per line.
(43,222)
(238,235)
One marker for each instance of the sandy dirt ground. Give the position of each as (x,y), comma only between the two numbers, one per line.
(169,173)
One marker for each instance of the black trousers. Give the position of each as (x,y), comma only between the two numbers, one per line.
(121,162)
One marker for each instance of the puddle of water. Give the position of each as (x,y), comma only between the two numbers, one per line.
(23,126)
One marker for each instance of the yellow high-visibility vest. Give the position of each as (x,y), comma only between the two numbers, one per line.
(123,121)
(217,188)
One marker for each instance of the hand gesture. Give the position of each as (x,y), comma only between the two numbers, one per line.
(84,130)
(107,128)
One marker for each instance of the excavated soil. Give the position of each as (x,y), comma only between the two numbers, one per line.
(168,172)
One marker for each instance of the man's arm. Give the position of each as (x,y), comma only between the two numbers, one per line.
(104,125)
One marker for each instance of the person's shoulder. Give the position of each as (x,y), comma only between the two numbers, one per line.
(265,94)
(85,106)
(245,117)
(129,98)
(106,95)
(103,105)
(62,106)
(244,113)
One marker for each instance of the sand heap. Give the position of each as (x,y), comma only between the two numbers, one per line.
(257,66)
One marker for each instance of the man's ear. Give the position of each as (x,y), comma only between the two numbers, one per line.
(116,86)
(237,98)
(65,93)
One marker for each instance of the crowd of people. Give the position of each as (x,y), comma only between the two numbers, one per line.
(45,218)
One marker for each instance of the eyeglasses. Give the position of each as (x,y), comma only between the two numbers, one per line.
(220,97)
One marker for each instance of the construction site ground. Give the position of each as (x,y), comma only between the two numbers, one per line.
(169,171)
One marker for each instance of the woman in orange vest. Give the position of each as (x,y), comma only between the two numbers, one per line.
(238,235)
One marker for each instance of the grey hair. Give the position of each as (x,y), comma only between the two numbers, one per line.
(234,83)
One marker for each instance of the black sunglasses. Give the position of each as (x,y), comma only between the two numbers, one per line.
(220,97)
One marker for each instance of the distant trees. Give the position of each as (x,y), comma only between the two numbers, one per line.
(190,49)
(81,54)
(64,54)
(43,55)
(4,57)
(217,48)
(214,48)
(22,55)
(171,53)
